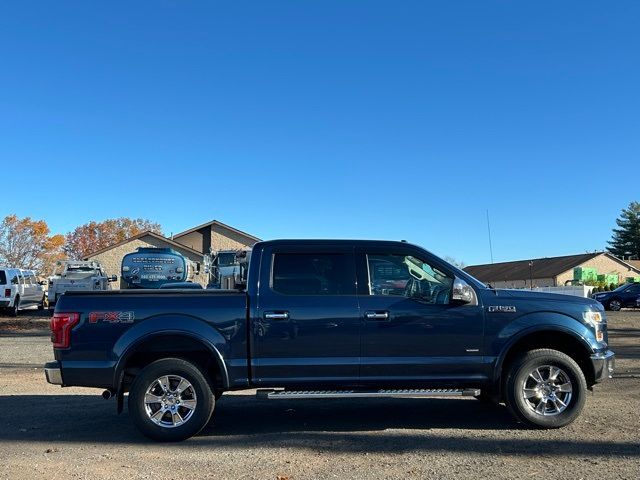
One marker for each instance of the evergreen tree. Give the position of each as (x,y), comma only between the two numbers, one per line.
(625,241)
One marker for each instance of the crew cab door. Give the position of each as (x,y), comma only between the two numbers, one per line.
(412,332)
(306,326)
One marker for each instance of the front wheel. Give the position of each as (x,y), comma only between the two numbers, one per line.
(545,389)
(170,400)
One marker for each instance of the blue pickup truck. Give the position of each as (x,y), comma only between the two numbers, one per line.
(332,319)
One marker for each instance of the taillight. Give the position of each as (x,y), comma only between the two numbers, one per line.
(61,325)
(7,292)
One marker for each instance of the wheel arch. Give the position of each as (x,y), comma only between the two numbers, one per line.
(553,337)
(158,337)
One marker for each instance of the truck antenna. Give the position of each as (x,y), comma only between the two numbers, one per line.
(489,230)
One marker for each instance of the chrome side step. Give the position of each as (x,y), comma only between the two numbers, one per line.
(270,394)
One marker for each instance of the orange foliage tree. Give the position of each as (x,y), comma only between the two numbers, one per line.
(94,236)
(27,243)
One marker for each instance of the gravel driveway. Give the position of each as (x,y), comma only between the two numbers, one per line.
(49,432)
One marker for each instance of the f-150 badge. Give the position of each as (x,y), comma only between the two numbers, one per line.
(501,309)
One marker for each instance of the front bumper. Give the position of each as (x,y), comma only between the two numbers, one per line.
(53,373)
(603,365)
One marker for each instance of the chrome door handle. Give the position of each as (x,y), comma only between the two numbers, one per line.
(276,315)
(377,315)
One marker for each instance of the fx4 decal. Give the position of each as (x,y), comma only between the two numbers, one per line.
(111,317)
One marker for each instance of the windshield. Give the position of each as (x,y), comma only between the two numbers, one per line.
(226,259)
(622,287)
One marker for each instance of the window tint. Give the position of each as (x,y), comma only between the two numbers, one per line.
(312,274)
(407,276)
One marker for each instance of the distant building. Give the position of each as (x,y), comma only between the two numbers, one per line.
(550,272)
(193,244)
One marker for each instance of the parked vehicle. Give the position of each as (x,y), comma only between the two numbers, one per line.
(20,289)
(229,268)
(150,267)
(627,295)
(77,276)
(332,319)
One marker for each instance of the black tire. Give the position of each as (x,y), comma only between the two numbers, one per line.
(519,378)
(13,311)
(42,303)
(615,304)
(199,391)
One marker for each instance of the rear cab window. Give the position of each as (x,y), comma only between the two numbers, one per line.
(312,273)
(3,277)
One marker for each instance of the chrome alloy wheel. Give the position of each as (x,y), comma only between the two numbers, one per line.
(547,390)
(170,401)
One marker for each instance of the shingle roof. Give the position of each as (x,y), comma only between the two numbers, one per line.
(139,236)
(519,270)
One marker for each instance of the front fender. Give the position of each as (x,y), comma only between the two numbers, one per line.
(161,325)
(536,322)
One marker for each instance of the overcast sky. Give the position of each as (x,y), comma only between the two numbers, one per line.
(396,120)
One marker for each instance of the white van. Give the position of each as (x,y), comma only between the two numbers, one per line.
(19,289)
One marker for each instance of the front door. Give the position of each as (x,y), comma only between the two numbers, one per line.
(306,327)
(413,333)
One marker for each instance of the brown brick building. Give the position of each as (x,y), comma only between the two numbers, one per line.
(550,272)
(192,243)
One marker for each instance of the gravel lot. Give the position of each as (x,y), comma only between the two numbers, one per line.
(49,432)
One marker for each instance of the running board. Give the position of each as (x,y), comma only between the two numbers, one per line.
(410,393)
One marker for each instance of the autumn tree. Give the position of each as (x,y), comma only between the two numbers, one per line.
(94,236)
(625,241)
(28,244)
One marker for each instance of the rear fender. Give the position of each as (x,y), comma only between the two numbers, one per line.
(163,325)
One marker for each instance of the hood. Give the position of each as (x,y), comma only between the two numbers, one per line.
(529,295)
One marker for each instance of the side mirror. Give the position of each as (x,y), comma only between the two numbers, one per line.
(42,282)
(463,293)
(113,278)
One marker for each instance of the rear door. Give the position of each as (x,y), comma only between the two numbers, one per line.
(306,325)
(631,295)
(413,334)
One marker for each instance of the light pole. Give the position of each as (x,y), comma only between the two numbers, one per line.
(531,274)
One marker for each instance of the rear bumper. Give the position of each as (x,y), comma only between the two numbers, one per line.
(53,373)
(603,365)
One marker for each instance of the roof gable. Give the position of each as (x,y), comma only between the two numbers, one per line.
(219,224)
(140,236)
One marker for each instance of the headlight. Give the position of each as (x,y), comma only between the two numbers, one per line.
(594,318)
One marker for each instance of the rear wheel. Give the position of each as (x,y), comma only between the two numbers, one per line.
(545,389)
(170,400)
(615,304)
(13,311)
(42,303)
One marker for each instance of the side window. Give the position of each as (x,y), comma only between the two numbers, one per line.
(634,289)
(312,274)
(407,276)
(14,277)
